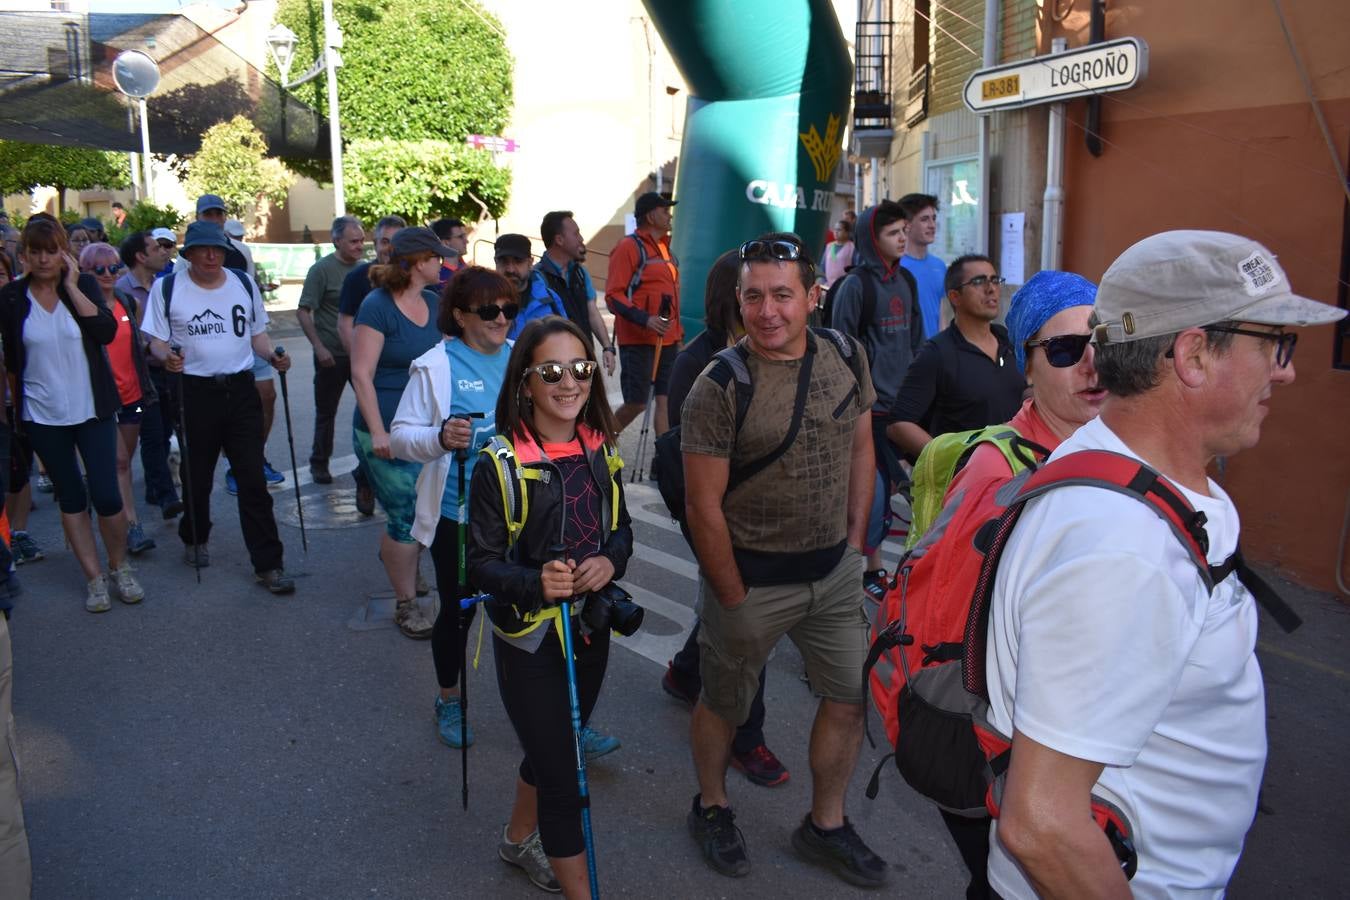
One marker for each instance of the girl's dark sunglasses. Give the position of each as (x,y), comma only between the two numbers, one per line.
(488,311)
(107,270)
(1062,350)
(552,372)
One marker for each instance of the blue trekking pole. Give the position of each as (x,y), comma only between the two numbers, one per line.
(565,626)
(462,523)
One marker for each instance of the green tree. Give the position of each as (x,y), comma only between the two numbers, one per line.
(411,71)
(24,167)
(233,164)
(422,180)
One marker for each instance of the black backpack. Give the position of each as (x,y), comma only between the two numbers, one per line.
(869,297)
(729,363)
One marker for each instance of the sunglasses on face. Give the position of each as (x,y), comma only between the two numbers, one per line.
(107,270)
(785,251)
(488,312)
(980,281)
(167,245)
(1062,350)
(552,372)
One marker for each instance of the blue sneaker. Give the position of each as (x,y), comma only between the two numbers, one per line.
(596,744)
(271,475)
(231,486)
(449,718)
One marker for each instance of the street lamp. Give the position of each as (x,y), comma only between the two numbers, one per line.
(281,41)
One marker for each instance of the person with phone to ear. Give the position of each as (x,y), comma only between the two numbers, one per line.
(215,316)
(55,327)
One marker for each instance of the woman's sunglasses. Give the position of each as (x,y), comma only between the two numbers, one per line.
(552,372)
(107,270)
(1062,350)
(488,312)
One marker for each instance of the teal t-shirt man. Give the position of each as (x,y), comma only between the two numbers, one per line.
(475,381)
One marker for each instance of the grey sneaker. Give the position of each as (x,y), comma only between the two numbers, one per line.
(276,581)
(196,556)
(97,601)
(410,620)
(842,851)
(529,855)
(137,542)
(25,549)
(721,842)
(128,589)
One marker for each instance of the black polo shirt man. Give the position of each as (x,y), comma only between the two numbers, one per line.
(966,376)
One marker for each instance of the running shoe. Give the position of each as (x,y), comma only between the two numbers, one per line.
(760,766)
(137,542)
(365,500)
(129,591)
(410,620)
(276,581)
(24,548)
(449,719)
(271,475)
(596,744)
(875,584)
(719,839)
(841,851)
(231,486)
(198,557)
(171,508)
(44,484)
(319,474)
(529,855)
(97,600)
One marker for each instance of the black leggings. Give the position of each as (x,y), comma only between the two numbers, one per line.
(95,441)
(534,691)
(448,642)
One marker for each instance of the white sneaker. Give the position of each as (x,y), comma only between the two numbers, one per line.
(529,855)
(128,589)
(97,601)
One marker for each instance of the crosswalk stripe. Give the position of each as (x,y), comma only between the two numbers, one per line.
(668,561)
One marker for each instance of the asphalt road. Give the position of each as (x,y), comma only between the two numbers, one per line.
(218,742)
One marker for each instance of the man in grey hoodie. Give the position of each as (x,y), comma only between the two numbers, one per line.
(877,302)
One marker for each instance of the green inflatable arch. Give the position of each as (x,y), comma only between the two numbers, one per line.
(769,83)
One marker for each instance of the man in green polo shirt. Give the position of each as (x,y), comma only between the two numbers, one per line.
(318,317)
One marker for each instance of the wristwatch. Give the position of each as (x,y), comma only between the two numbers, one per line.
(609,349)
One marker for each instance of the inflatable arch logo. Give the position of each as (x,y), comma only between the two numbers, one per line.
(824,153)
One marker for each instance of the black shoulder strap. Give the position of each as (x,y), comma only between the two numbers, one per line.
(868,313)
(742,474)
(1262,592)
(166,291)
(637,270)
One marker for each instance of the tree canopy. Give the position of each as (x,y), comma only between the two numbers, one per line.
(24,167)
(411,72)
(233,164)
(423,180)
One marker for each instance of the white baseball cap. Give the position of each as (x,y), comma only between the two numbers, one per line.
(164,234)
(234,228)
(1188,279)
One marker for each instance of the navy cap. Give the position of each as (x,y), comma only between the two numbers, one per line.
(209,201)
(648,202)
(205,234)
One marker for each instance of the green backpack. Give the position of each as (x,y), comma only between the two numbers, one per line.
(946,454)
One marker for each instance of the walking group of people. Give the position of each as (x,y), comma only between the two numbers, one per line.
(483,430)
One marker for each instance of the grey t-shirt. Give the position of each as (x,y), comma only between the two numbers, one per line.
(320,295)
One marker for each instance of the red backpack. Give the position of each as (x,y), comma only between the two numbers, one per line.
(926,668)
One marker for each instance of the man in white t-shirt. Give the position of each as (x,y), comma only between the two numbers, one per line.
(1117,673)
(207,330)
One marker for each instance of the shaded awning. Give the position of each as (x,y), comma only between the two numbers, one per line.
(56,85)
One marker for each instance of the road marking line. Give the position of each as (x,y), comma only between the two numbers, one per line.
(668,561)
(1302,660)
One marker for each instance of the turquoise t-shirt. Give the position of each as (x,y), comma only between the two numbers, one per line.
(404,341)
(929,273)
(476,380)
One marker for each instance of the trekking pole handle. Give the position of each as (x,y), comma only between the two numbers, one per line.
(667,303)
(278,350)
(463,452)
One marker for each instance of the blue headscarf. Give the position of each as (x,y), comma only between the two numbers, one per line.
(1045,294)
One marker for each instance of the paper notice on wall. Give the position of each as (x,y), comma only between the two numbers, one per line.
(1012,247)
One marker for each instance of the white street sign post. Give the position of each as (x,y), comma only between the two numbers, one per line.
(1094,69)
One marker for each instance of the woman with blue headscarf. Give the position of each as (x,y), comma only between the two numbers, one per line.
(1048,326)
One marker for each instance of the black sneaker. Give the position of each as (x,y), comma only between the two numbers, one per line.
(319,474)
(842,851)
(721,841)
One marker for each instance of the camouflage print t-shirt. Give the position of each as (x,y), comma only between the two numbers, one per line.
(800,501)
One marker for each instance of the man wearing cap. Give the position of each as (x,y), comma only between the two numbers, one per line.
(318,315)
(455,236)
(515,263)
(563,269)
(1117,673)
(216,321)
(144,258)
(211,208)
(168,242)
(643,293)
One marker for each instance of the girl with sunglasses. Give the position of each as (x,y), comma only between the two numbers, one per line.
(449,409)
(55,326)
(553,412)
(126,355)
(1048,327)
(395,325)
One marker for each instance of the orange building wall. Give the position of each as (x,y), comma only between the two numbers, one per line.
(1220,136)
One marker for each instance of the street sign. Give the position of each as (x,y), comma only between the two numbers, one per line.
(1097,68)
(493,143)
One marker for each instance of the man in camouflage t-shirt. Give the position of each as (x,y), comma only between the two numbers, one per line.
(780,553)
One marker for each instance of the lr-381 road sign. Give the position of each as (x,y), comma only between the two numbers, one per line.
(1108,66)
